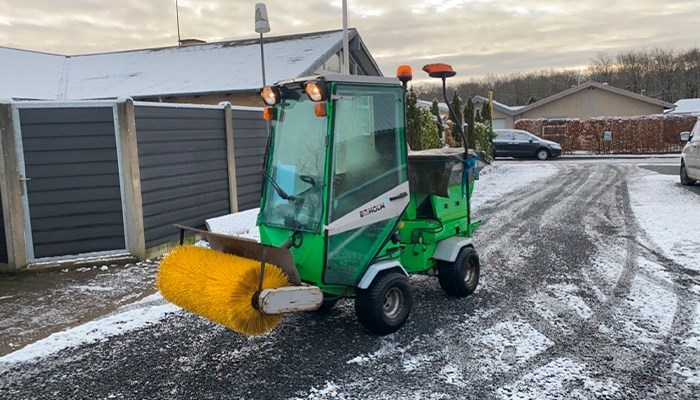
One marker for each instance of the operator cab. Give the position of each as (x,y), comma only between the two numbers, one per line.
(336,166)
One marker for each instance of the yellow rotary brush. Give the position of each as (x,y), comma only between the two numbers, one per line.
(219,286)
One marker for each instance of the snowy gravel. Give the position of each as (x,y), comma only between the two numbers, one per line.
(589,290)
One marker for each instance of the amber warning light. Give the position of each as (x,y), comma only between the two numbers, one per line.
(404,73)
(439,70)
(268,112)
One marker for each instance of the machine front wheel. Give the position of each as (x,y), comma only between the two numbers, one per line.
(384,306)
(460,278)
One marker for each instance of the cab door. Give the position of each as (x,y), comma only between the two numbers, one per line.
(369,186)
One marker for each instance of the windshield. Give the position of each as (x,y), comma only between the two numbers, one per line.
(296,164)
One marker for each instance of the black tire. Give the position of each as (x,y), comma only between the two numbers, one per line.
(384,306)
(542,154)
(461,277)
(685,180)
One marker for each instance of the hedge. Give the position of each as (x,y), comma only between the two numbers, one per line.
(647,134)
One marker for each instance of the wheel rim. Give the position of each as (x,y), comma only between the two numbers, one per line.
(470,273)
(393,303)
(542,155)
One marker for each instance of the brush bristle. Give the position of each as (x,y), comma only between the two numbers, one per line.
(219,286)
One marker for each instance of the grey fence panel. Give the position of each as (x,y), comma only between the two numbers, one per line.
(74,195)
(3,238)
(183,167)
(250,139)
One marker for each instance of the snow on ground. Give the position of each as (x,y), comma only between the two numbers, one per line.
(651,309)
(497,180)
(98,330)
(508,344)
(556,380)
(668,213)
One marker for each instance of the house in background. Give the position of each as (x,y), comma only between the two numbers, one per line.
(593,99)
(503,116)
(686,106)
(588,100)
(202,73)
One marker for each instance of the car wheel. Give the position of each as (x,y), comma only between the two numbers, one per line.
(685,180)
(384,306)
(460,278)
(542,154)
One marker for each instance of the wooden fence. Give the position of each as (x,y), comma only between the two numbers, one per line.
(80,180)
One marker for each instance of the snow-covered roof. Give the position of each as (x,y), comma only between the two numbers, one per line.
(29,74)
(442,107)
(686,106)
(221,67)
(509,110)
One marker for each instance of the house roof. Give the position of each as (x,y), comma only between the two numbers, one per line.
(442,107)
(595,85)
(505,109)
(686,106)
(222,67)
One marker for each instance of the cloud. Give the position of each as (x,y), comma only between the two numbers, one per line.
(478,37)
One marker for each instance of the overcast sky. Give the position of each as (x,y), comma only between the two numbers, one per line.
(477,37)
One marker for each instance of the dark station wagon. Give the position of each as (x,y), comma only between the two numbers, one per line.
(517,143)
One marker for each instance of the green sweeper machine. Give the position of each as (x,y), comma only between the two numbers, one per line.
(347,210)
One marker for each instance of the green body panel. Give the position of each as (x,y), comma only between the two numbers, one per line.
(308,257)
(439,218)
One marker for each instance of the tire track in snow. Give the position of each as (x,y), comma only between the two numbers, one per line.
(589,188)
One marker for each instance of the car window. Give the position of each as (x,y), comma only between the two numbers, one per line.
(695,133)
(504,135)
(522,137)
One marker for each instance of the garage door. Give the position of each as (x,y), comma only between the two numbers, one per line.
(499,123)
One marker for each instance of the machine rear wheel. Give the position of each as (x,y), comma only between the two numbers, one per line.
(383,308)
(460,278)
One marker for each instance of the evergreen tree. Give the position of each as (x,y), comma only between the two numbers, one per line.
(421,125)
(483,132)
(469,120)
(434,109)
(429,138)
(486,113)
(477,114)
(456,105)
(413,126)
